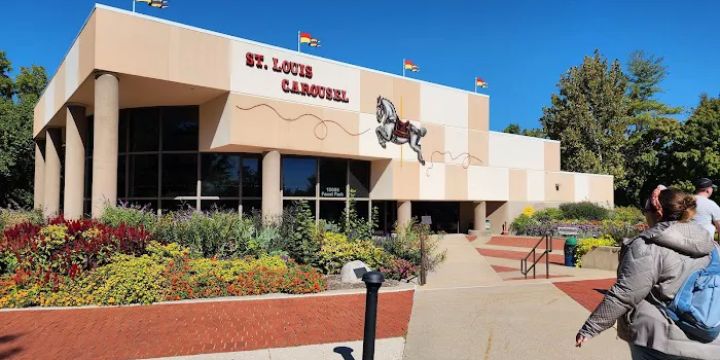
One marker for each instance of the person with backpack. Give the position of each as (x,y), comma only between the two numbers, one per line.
(666,300)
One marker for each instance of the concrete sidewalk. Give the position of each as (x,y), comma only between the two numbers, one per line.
(467,312)
(385,349)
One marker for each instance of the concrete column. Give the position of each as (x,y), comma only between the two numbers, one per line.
(480,216)
(39,184)
(105,143)
(75,131)
(271,191)
(53,144)
(404,212)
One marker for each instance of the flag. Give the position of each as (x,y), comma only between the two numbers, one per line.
(479,82)
(314,42)
(409,65)
(305,38)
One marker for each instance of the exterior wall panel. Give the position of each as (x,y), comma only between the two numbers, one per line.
(515,151)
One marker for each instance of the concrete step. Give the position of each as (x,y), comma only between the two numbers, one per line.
(520,249)
(517,255)
(525,242)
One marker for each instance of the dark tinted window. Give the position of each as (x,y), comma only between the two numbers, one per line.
(299,176)
(360,178)
(122,131)
(251,177)
(179,175)
(333,176)
(250,207)
(332,210)
(219,205)
(175,205)
(150,205)
(121,177)
(144,129)
(362,208)
(310,204)
(180,128)
(220,175)
(143,176)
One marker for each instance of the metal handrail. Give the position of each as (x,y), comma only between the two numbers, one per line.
(548,249)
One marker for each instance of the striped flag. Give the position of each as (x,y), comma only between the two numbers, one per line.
(409,65)
(314,43)
(305,38)
(480,83)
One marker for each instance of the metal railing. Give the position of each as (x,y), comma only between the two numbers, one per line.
(524,269)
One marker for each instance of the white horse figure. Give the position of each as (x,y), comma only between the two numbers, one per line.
(394,130)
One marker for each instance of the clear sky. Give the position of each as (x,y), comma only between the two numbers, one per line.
(519,47)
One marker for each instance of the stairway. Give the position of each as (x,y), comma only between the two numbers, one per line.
(503,253)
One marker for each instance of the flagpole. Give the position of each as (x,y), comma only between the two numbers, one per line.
(403,66)
(298,41)
(133,1)
(475,85)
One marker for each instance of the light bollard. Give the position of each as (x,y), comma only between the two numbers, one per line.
(373,281)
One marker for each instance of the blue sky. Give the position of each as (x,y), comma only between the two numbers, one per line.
(519,47)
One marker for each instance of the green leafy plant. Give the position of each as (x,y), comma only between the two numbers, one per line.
(337,250)
(586,245)
(523,223)
(584,211)
(355,226)
(129,215)
(405,244)
(299,231)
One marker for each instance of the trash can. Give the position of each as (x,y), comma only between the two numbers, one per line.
(570,233)
(570,246)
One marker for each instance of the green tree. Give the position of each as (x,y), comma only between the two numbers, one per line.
(512,129)
(589,117)
(17,153)
(697,152)
(651,131)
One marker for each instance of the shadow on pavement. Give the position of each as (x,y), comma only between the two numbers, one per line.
(6,339)
(345,351)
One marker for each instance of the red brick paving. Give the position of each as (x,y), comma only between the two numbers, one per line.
(540,275)
(525,242)
(195,328)
(517,255)
(585,292)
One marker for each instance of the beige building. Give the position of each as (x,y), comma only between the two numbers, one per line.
(149,112)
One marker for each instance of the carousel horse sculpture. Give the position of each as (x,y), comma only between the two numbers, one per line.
(393,129)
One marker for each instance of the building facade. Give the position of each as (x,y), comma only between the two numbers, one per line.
(159,114)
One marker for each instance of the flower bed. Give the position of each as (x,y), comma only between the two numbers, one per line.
(130,256)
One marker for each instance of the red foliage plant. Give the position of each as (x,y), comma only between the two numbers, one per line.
(77,246)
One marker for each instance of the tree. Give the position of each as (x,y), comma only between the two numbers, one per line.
(697,152)
(17,152)
(589,116)
(651,130)
(512,129)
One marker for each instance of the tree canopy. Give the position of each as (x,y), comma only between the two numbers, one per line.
(17,155)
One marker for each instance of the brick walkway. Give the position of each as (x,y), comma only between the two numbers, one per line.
(525,242)
(588,293)
(132,332)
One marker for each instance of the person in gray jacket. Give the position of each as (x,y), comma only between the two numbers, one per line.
(653,267)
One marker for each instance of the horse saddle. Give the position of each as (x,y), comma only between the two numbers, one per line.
(402,129)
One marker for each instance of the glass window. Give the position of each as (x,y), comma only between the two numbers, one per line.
(251,207)
(362,208)
(311,205)
(179,175)
(333,178)
(220,175)
(88,178)
(332,210)
(360,178)
(149,205)
(176,205)
(89,137)
(121,177)
(143,176)
(251,177)
(180,128)
(219,205)
(122,131)
(299,176)
(144,129)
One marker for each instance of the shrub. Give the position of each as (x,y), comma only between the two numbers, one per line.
(10,218)
(548,215)
(628,214)
(522,224)
(67,247)
(298,230)
(337,250)
(586,245)
(215,234)
(528,211)
(405,244)
(129,215)
(584,211)
(398,269)
(355,226)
